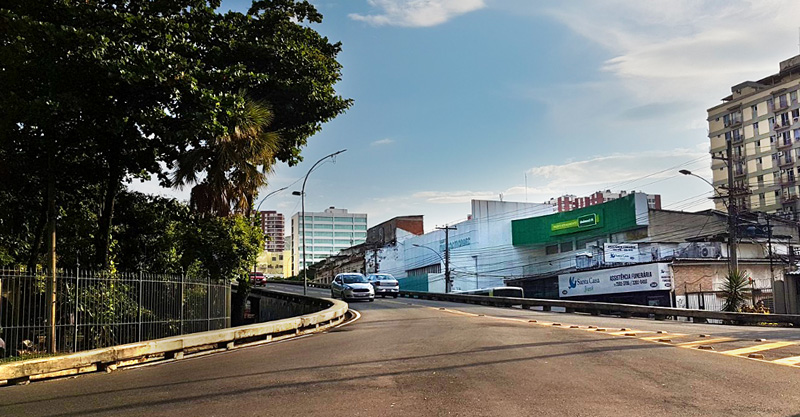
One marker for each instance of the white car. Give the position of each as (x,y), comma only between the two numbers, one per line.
(352,286)
(384,284)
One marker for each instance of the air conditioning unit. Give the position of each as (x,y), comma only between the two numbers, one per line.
(780,153)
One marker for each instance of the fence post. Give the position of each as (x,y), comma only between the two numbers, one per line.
(183,276)
(77,291)
(139,305)
(208,296)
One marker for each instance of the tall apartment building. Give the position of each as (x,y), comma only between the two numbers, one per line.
(272,226)
(760,120)
(326,234)
(569,202)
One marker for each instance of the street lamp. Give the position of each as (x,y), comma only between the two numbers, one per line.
(733,261)
(258,207)
(446,265)
(477,286)
(302,195)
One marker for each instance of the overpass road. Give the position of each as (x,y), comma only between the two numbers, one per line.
(409,357)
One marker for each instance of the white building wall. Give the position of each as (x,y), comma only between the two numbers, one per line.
(487,235)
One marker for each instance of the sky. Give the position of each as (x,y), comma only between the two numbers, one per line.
(457,100)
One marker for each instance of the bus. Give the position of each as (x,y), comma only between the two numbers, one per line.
(495,292)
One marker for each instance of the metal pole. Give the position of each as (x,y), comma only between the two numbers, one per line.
(139,304)
(732,213)
(181,314)
(771,271)
(303,214)
(476,272)
(77,290)
(208,293)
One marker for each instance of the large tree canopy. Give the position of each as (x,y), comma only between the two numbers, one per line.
(98,92)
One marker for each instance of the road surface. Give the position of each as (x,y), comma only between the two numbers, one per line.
(409,357)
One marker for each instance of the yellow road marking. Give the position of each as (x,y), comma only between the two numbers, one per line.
(793,360)
(664,336)
(635,332)
(757,348)
(704,342)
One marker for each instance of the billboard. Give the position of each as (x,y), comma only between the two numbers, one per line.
(644,277)
(620,252)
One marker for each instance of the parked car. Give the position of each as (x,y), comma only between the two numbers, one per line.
(258,279)
(384,284)
(352,286)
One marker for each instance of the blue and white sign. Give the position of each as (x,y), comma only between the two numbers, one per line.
(620,252)
(645,277)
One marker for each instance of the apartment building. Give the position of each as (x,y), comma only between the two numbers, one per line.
(569,202)
(272,226)
(327,233)
(760,121)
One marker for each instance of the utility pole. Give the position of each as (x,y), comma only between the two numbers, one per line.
(447,281)
(733,192)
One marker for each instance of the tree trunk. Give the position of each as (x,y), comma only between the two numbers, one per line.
(36,248)
(102,258)
(239,302)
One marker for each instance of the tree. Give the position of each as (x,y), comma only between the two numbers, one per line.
(110,90)
(733,289)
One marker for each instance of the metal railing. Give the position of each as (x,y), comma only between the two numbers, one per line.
(99,309)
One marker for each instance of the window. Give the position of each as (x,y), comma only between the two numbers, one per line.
(323,226)
(360,220)
(343,219)
(566,246)
(770,104)
(759,160)
(551,250)
(793,96)
(343,227)
(323,234)
(758,144)
(754,109)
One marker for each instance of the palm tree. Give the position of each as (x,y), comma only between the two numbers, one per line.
(236,164)
(733,289)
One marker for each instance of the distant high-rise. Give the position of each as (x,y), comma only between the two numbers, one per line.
(760,120)
(327,232)
(569,202)
(273,226)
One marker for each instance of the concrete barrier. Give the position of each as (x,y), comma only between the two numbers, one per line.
(623,310)
(331,313)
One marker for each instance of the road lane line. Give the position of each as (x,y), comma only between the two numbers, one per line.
(664,336)
(757,348)
(792,361)
(634,332)
(704,342)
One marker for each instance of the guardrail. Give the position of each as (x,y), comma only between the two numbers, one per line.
(596,308)
(623,310)
(174,348)
(294,282)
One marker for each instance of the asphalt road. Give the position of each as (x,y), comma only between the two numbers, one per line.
(413,357)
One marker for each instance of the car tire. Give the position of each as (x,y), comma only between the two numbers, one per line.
(371,300)
(394,296)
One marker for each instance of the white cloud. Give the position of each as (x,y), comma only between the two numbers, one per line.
(386,141)
(416,13)
(450,197)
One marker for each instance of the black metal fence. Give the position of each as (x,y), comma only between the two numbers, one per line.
(95,310)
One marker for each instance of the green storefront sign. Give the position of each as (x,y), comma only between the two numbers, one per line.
(584,221)
(602,219)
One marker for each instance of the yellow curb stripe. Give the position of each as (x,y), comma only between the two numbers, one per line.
(664,336)
(757,348)
(704,342)
(793,360)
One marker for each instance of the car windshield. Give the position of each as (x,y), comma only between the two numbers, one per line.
(353,279)
(381,277)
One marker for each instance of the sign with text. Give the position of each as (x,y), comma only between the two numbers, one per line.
(579,223)
(646,277)
(620,252)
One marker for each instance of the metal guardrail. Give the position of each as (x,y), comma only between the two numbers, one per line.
(596,308)
(174,348)
(623,310)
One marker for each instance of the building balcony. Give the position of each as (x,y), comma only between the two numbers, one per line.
(733,122)
(785,162)
(781,126)
(776,107)
(786,181)
(784,144)
(789,198)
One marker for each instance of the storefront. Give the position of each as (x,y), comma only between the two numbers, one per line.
(644,284)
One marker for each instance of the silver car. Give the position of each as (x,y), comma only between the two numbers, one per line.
(352,286)
(384,284)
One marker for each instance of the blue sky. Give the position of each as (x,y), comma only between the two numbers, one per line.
(463,99)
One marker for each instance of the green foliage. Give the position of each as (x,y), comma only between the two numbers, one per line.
(733,290)
(224,248)
(97,92)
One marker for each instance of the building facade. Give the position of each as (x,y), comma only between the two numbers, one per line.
(326,233)
(569,202)
(272,226)
(760,121)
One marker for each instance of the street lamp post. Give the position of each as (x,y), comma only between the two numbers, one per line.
(258,207)
(302,195)
(446,265)
(477,286)
(733,261)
